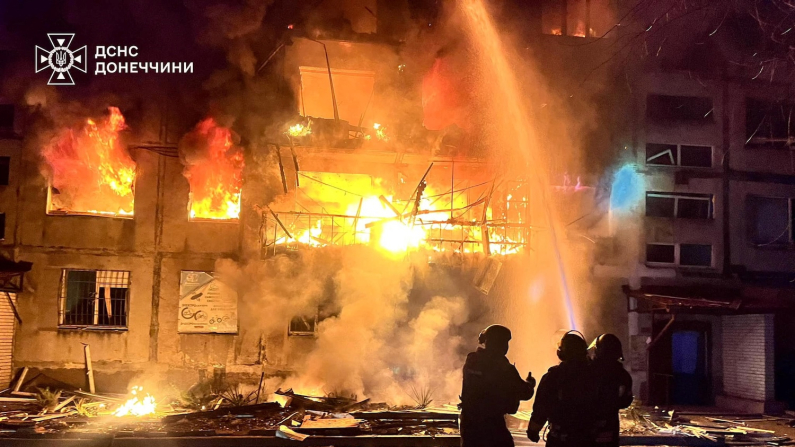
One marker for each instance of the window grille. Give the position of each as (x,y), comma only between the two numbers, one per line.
(93,298)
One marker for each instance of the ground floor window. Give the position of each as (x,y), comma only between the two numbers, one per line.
(93,298)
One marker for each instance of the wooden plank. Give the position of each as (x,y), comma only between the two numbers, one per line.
(332,423)
(89,368)
(373,415)
(21,379)
(311,441)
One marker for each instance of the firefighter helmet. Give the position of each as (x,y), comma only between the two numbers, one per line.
(572,346)
(494,332)
(607,347)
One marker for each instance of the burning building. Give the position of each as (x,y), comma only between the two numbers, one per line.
(358,240)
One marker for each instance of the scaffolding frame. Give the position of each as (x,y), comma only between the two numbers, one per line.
(501,212)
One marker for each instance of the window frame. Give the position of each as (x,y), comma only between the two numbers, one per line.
(751,141)
(790,242)
(677,196)
(706,119)
(62,300)
(292,333)
(678,156)
(564,7)
(677,256)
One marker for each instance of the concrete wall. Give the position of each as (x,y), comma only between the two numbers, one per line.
(663,178)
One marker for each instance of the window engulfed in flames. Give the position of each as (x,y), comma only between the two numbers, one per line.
(214,169)
(89,170)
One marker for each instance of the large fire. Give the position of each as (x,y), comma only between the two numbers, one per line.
(89,170)
(359,209)
(136,406)
(214,169)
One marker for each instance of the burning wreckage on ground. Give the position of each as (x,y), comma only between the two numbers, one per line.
(325,274)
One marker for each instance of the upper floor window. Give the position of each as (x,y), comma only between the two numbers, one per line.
(686,255)
(6,118)
(93,298)
(771,221)
(5,170)
(768,123)
(303,325)
(577,18)
(667,108)
(678,155)
(683,206)
(352,91)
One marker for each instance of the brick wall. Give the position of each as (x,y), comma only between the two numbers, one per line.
(748,357)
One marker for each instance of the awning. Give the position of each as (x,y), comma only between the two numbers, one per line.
(12,274)
(710,299)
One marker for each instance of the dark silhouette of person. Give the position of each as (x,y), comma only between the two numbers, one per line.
(614,389)
(491,389)
(565,397)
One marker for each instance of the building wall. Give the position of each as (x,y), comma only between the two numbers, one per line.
(748,356)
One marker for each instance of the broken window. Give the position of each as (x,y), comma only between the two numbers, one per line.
(660,206)
(303,325)
(686,255)
(666,108)
(678,155)
(771,220)
(695,255)
(577,18)
(683,206)
(352,90)
(661,253)
(93,298)
(695,156)
(768,123)
(661,154)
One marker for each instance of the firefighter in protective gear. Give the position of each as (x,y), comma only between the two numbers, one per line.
(614,389)
(492,388)
(565,397)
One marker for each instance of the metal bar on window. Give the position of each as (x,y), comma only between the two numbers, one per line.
(83,294)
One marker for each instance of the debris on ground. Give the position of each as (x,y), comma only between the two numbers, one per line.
(217,409)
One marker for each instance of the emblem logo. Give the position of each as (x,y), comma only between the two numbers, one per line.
(60,59)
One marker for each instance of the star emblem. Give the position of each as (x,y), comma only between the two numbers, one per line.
(60,59)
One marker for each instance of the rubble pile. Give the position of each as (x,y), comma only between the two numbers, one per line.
(209,409)
(724,430)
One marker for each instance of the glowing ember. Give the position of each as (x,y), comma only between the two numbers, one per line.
(136,406)
(89,170)
(214,169)
(299,130)
(380,132)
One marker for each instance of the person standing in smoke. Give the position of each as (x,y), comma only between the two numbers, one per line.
(565,397)
(492,388)
(614,389)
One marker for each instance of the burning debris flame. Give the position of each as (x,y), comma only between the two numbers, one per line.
(380,132)
(136,406)
(366,212)
(89,170)
(299,130)
(214,169)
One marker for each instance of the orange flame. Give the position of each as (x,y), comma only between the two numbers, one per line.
(375,217)
(91,172)
(214,172)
